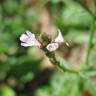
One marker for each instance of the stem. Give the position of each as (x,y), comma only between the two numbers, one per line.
(65,69)
(92,30)
(53,59)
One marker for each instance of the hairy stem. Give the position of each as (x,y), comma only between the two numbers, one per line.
(90,44)
(56,62)
(92,30)
(90,41)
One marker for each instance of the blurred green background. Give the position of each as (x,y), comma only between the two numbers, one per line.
(27,71)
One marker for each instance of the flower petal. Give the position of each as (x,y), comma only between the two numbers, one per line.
(59,38)
(30,34)
(23,37)
(52,46)
(29,39)
(25,44)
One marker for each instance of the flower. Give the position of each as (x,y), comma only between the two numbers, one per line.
(53,46)
(29,39)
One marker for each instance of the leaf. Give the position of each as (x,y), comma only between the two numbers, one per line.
(6,91)
(11,6)
(91,87)
(75,15)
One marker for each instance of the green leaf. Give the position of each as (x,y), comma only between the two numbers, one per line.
(75,15)
(6,91)
(91,87)
(11,6)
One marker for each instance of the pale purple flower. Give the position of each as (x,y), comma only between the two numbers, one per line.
(28,39)
(59,38)
(52,46)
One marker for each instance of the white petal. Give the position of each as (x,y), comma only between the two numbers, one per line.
(29,39)
(23,37)
(32,41)
(25,45)
(30,34)
(52,46)
(59,38)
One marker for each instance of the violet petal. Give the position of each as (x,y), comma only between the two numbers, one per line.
(59,38)
(52,46)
